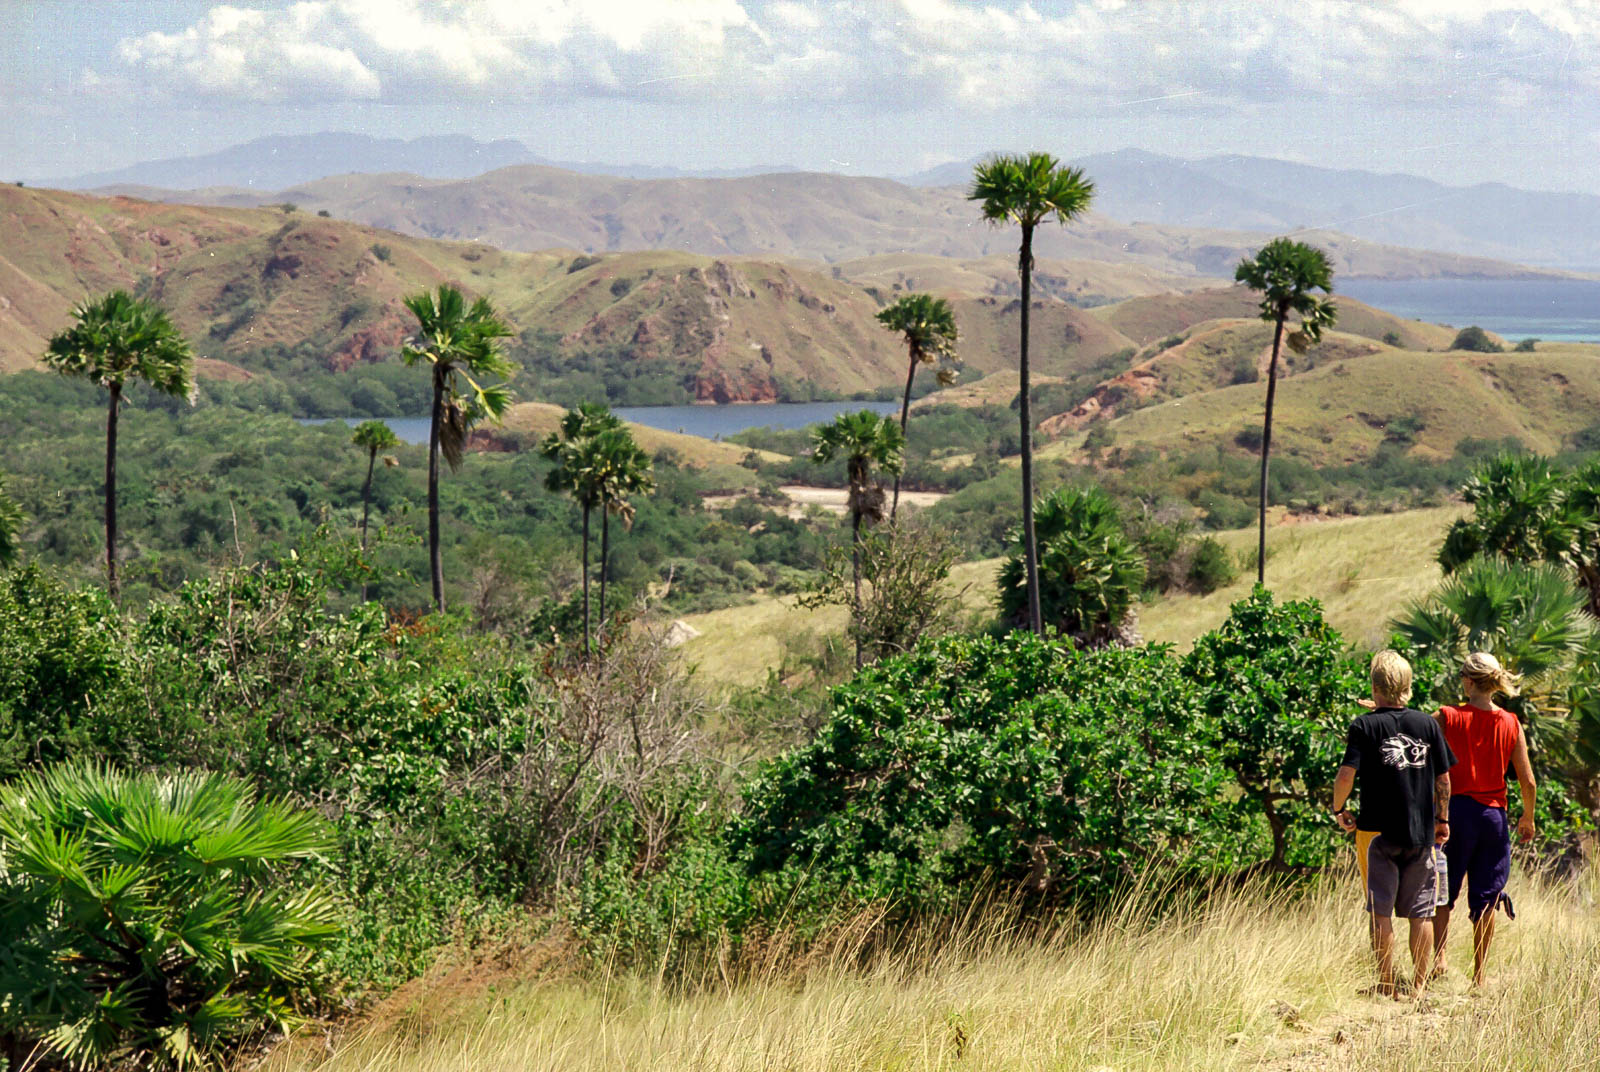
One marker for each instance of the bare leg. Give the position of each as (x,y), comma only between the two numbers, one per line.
(1383,945)
(1421,953)
(1482,935)
(1441,934)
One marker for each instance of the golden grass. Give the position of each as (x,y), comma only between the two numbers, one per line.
(738,645)
(1363,569)
(1242,980)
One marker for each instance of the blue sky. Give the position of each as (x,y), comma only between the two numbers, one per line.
(1457,90)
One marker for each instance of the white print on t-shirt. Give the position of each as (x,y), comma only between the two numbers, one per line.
(1401,751)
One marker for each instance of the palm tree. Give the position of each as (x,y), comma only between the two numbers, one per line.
(1525,510)
(580,472)
(623,470)
(1029,190)
(864,440)
(929,328)
(1090,571)
(116,339)
(1285,272)
(154,920)
(373,436)
(461,344)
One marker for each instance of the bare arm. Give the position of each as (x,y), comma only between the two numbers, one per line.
(1343,782)
(1441,808)
(1524,769)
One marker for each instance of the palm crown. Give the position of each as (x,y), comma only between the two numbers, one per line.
(374,436)
(1029,189)
(863,439)
(120,337)
(927,324)
(461,342)
(1287,273)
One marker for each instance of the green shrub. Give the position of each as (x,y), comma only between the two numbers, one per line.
(152,920)
(1527,346)
(1476,340)
(1016,761)
(64,685)
(1210,567)
(1277,683)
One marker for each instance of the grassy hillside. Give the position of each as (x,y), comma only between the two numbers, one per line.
(1363,569)
(1342,411)
(1079,282)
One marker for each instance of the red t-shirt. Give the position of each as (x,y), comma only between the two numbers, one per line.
(1483,742)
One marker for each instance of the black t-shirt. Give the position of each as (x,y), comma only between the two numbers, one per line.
(1397,753)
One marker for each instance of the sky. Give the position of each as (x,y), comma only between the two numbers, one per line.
(1457,90)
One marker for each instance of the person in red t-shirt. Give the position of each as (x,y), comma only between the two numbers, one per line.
(1486,740)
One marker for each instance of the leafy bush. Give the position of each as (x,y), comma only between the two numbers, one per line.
(1016,760)
(151,920)
(1210,567)
(1526,346)
(1277,683)
(1476,340)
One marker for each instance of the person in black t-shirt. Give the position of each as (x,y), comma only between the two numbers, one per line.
(1403,765)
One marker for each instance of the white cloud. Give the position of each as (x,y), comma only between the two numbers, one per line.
(983,56)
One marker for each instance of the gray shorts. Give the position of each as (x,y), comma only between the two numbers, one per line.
(1401,881)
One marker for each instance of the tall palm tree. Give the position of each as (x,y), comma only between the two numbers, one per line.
(864,440)
(462,345)
(929,327)
(624,470)
(118,338)
(1029,190)
(373,436)
(1286,273)
(580,472)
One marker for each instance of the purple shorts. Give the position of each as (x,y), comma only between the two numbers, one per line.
(1479,850)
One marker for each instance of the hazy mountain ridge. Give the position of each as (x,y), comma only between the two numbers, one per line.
(812,216)
(275,162)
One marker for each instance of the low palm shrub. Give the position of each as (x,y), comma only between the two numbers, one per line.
(152,920)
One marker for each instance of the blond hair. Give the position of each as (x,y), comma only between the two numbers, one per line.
(1485,673)
(1391,676)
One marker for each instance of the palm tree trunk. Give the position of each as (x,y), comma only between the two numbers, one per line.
(855,570)
(111,490)
(1030,545)
(366,507)
(435,560)
(905,415)
(586,645)
(605,559)
(1266,448)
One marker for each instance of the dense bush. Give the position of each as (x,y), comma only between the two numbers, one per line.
(1016,760)
(1476,340)
(150,921)
(1029,763)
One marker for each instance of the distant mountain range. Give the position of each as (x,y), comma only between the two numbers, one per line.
(286,160)
(1252,193)
(1226,193)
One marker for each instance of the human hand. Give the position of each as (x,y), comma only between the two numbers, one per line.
(1441,832)
(1525,827)
(1367,702)
(1346,821)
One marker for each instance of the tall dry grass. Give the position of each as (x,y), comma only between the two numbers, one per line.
(1241,979)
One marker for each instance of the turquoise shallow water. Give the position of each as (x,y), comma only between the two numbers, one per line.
(1556,310)
(712,422)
